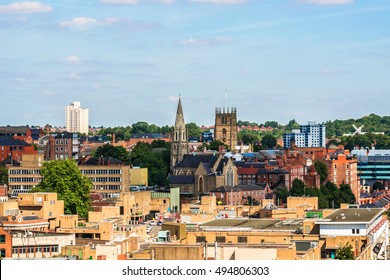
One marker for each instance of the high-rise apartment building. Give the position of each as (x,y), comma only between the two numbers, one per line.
(310,135)
(76,118)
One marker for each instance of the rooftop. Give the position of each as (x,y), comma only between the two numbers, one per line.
(352,215)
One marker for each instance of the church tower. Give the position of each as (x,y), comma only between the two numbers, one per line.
(225,129)
(179,143)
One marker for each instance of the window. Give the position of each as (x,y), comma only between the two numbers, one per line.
(2,238)
(200,239)
(242,239)
(2,253)
(353,231)
(357,231)
(220,239)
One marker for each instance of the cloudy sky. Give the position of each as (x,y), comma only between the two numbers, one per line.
(128,60)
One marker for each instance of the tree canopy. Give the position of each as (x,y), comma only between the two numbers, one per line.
(64,178)
(322,170)
(345,253)
(157,162)
(117,152)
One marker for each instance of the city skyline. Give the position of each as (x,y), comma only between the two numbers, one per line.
(129,60)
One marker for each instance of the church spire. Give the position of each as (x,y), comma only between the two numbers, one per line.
(179,144)
(179,115)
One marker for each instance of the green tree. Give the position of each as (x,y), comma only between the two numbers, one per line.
(322,170)
(272,124)
(117,152)
(346,195)
(269,141)
(378,186)
(64,178)
(214,145)
(3,175)
(281,193)
(345,253)
(297,188)
(193,130)
(157,163)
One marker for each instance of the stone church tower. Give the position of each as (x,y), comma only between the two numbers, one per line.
(225,129)
(179,144)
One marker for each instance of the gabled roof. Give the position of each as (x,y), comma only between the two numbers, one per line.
(193,160)
(9,141)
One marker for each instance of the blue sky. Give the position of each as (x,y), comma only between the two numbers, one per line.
(128,60)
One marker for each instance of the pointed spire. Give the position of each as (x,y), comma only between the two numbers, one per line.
(179,115)
(179,108)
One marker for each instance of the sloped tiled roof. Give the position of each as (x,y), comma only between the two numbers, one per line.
(193,160)
(181,179)
(9,141)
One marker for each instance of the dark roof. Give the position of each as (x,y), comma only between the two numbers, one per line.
(222,163)
(63,135)
(7,130)
(278,171)
(251,187)
(193,160)
(225,189)
(9,141)
(181,179)
(149,135)
(101,161)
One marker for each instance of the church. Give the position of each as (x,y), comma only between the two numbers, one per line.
(199,172)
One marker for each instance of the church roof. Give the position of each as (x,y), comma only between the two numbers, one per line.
(181,179)
(193,160)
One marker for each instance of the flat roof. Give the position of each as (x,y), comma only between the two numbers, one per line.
(253,224)
(352,215)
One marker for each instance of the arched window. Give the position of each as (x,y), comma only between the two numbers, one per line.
(230,177)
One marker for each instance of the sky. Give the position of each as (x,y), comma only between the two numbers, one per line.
(130,60)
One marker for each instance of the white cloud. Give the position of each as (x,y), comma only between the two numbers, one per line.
(73,59)
(73,76)
(221,2)
(326,2)
(194,42)
(80,23)
(25,8)
(83,23)
(173,98)
(20,80)
(205,42)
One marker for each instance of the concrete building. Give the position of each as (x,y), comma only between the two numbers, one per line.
(76,118)
(373,165)
(41,205)
(109,176)
(363,229)
(31,245)
(22,178)
(310,135)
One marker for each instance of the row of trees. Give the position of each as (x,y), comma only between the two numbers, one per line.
(329,195)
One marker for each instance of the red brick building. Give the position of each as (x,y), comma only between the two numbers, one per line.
(11,148)
(5,243)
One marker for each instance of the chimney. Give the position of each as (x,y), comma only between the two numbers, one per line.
(113,138)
